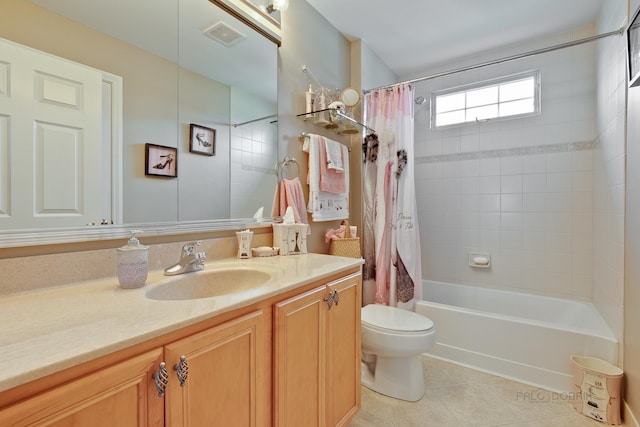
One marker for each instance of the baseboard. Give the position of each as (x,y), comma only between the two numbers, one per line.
(629,419)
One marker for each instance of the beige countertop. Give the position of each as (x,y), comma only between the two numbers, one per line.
(49,330)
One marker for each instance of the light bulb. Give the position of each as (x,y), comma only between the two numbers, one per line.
(277,5)
(280,4)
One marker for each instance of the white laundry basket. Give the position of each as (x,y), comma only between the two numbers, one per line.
(598,389)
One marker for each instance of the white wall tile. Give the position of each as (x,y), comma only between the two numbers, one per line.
(470,168)
(534,183)
(558,202)
(534,202)
(582,180)
(470,220)
(511,240)
(511,166)
(533,212)
(489,167)
(582,201)
(535,164)
(490,221)
(490,238)
(490,184)
(558,182)
(490,203)
(451,170)
(558,263)
(559,162)
(534,241)
(558,222)
(470,142)
(559,132)
(489,141)
(511,184)
(582,222)
(470,203)
(534,221)
(470,185)
(511,221)
(559,242)
(511,202)
(582,160)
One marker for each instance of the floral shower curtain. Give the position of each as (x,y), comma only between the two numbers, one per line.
(391,236)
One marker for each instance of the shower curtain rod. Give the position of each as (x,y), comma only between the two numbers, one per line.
(618,32)
(254,120)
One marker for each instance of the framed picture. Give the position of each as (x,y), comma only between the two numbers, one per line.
(160,160)
(202,140)
(633,50)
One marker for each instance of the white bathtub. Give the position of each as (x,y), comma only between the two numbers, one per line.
(525,337)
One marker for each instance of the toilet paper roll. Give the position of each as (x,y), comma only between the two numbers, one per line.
(480,260)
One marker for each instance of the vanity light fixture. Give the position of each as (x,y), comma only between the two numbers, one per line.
(277,5)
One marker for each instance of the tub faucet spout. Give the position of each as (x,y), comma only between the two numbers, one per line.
(190,260)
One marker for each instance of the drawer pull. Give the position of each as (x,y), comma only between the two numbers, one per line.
(332,298)
(329,300)
(182,370)
(161,378)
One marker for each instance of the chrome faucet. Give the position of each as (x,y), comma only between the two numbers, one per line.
(190,260)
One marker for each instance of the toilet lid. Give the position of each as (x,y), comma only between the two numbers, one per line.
(393,318)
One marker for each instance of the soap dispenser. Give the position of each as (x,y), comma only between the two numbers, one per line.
(133,263)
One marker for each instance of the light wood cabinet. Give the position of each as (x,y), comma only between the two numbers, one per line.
(317,355)
(226,381)
(120,395)
(290,360)
(343,350)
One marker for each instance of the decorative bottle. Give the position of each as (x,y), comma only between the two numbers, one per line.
(133,263)
(309,101)
(244,243)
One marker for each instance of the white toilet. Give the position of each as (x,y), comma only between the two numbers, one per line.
(392,341)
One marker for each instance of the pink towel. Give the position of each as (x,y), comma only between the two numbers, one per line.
(331,180)
(289,193)
(339,233)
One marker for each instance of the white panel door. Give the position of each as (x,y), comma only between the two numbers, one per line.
(50,140)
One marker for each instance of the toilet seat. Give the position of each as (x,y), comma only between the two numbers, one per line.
(384,318)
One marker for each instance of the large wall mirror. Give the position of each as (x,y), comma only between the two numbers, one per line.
(159,73)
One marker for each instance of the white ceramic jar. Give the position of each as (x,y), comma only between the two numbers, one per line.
(133,263)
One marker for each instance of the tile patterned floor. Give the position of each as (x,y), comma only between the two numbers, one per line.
(461,397)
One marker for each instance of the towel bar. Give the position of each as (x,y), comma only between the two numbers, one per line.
(303,135)
(286,162)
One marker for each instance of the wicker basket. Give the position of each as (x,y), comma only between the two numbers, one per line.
(347,246)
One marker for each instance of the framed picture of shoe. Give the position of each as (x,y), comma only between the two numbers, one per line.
(160,160)
(202,140)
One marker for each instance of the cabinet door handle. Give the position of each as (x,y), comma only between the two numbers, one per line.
(329,300)
(161,378)
(336,298)
(182,370)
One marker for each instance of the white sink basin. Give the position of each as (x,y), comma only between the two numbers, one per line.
(212,282)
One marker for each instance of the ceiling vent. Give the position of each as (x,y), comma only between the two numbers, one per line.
(224,34)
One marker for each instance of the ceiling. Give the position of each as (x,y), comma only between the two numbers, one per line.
(412,35)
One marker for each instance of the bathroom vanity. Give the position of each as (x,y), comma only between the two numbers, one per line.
(284,351)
